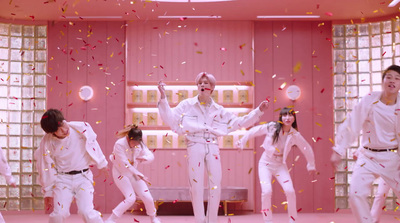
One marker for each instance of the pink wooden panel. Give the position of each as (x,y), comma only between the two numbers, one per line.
(323,108)
(90,53)
(57,63)
(185,51)
(77,71)
(289,43)
(263,86)
(302,54)
(115,112)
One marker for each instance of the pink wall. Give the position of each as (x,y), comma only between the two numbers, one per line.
(90,53)
(183,49)
(156,43)
(279,46)
(186,48)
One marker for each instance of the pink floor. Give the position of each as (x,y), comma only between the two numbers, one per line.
(242,218)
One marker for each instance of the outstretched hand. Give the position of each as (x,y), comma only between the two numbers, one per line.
(161,89)
(263,105)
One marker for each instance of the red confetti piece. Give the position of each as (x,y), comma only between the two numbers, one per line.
(322,91)
(175,201)
(135,220)
(384,53)
(337,209)
(70,105)
(329,13)
(167,167)
(299,209)
(182,18)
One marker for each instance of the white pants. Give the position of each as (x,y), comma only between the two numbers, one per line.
(79,186)
(369,166)
(268,167)
(128,185)
(202,156)
(379,201)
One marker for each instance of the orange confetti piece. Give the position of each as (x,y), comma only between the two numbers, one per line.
(318,124)
(297,67)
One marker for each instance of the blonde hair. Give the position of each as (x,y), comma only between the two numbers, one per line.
(210,78)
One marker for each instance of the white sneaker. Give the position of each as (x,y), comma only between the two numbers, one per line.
(154,219)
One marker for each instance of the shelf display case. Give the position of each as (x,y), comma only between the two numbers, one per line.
(141,109)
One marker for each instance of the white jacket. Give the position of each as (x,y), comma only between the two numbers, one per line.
(5,169)
(188,118)
(351,128)
(125,159)
(45,162)
(294,138)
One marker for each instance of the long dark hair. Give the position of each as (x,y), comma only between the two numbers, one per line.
(284,111)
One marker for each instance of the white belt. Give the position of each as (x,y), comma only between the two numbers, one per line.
(205,137)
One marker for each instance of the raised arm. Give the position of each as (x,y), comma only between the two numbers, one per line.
(169,116)
(258,130)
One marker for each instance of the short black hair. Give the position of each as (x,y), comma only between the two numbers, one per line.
(51,120)
(393,68)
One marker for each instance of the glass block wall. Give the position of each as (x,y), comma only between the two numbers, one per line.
(361,52)
(22,102)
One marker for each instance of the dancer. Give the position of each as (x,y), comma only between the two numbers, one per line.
(380,195)
(62,160)
(280,138)
(377,116)
(202,120)
(6,172)
(128,152)
(379,200)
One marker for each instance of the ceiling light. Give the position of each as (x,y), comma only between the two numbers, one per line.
(92,17)
(393,3)
(288,16)
(190,17)
(187,1)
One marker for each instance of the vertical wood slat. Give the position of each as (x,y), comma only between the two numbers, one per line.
(156,42)
(106,106)
(289,43)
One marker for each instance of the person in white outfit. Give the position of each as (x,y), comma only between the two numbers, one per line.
(376,115)
(379,200)
(380,196)
(202,120)
(128,152)
(280,138)
(6,172)
(63,159)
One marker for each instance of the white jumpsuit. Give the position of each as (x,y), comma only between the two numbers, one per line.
(54,158)
(371,164)
(202,125)
(125,175)
(273,163)
(6,172)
